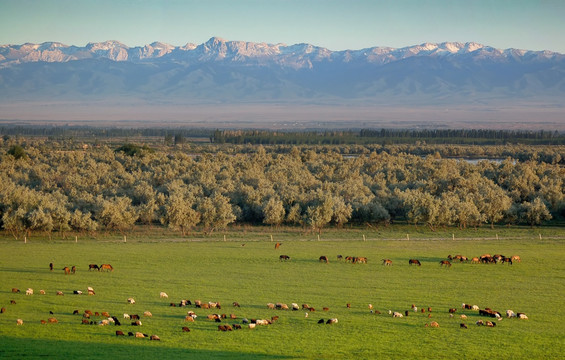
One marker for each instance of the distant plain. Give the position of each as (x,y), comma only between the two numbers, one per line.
(287,116)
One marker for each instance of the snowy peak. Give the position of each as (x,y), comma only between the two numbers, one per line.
(296,56)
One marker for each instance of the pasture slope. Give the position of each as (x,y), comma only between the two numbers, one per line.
(251,274)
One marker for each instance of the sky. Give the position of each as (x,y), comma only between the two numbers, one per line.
(333,24)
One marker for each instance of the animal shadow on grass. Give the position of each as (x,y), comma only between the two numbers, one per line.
(76,349)
(31,271)
(426,259)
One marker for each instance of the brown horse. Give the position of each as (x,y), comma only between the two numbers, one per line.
(67,270)
(93,266)
(445,262)
(324,259)
(387,262)
(284,257)
(277,245)
(414,262)
(106,267)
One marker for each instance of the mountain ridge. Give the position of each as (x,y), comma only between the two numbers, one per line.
(113,75)
(217,48)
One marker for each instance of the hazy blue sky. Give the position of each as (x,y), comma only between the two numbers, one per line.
(334,24)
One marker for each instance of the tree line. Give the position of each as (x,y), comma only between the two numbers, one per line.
(389,136)
(305,137)
(50,190)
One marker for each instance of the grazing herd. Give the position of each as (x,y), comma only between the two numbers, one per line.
(233,322)
(73,268)
(103,318)
(484,259)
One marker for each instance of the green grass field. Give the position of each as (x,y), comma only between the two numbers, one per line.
(253,276)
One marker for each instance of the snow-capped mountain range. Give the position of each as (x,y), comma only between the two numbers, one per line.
(235,71)
(297,56)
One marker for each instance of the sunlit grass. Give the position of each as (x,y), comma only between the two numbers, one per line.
(250,273)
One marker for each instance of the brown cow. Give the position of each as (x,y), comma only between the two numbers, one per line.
(324,258)
(67,270)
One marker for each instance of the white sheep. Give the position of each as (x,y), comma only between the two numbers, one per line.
(163,294)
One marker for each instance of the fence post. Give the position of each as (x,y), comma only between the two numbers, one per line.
(407,237)
(364,239)
(76,239)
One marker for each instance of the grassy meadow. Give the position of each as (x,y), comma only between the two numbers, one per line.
(249,272)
